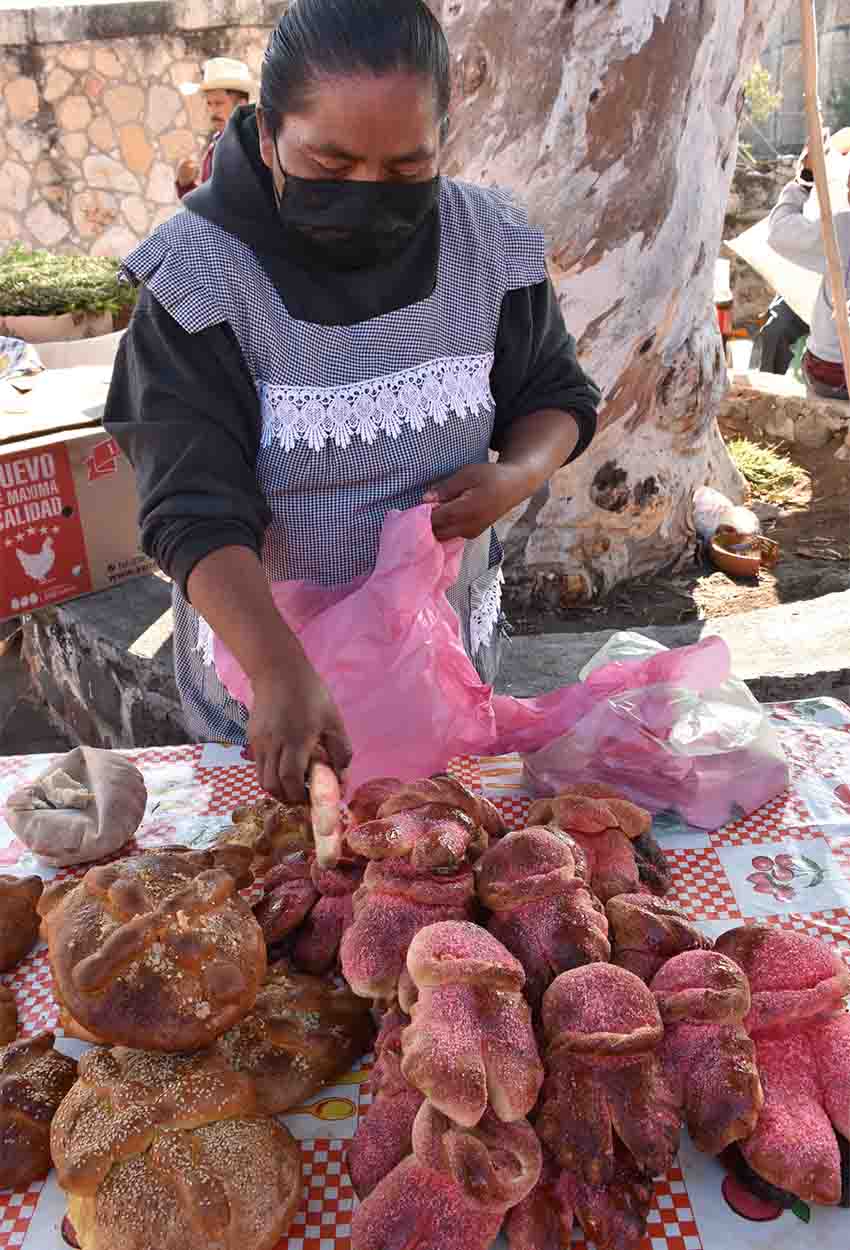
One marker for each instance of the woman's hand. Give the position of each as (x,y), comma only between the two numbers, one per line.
(535,447)
(470,501)
(294,721)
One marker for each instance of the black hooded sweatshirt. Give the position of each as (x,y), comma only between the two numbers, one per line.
(184,407)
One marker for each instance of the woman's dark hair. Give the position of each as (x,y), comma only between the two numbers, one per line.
(318,39)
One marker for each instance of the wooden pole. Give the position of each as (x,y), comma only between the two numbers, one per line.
(817,159)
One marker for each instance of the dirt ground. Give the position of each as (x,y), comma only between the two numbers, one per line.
(811,525)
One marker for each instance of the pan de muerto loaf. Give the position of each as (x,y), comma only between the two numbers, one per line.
(18,918)
(34,1078)
(454,1190)
(541,908)
(647,931)
(166,1152)
(470,1043)
(158,951)
(604,1079)
(301,1032)
(707,1055)
(606,828)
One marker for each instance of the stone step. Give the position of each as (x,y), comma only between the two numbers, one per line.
(793,651)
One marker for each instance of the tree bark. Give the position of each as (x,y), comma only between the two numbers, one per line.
(616,122)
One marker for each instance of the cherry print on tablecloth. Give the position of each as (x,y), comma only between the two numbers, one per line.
(790,874)
(784,876)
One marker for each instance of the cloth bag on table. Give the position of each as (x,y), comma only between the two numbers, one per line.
(84,806)
(389,647)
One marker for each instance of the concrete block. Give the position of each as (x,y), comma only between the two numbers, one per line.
(794,651)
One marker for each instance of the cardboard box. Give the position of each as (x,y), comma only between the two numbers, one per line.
(68,503)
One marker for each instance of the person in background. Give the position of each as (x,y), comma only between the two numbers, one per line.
(226,86)
(794,236)
(773,350)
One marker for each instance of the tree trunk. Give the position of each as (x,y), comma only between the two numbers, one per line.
(616,121)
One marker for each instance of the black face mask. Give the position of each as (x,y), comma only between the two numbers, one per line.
(354,225)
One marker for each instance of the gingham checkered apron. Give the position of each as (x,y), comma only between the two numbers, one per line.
(356,420)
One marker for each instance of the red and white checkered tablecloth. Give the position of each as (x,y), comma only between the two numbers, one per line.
(721,879)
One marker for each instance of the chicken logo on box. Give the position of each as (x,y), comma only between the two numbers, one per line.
(41,538)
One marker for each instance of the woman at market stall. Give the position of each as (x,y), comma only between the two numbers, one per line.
(331,331)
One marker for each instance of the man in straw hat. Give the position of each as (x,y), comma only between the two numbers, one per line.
(226,85)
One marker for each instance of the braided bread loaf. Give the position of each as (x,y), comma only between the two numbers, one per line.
(157,950)
(167,1151)
(301,1032)
(34,1078)
(18,918)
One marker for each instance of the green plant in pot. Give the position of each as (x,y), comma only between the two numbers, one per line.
(46,297)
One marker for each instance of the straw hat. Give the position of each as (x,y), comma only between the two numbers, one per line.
(221,74)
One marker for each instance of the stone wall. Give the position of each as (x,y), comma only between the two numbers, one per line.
(785,131)
(92,122)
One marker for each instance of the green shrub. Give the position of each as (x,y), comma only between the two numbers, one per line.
(34,284)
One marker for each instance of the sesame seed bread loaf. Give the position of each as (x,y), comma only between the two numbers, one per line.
(156,951)
(301,1033)
(34,1078)
(166,1152)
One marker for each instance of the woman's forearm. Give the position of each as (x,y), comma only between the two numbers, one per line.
(539,444)
(230,591)
(294,719)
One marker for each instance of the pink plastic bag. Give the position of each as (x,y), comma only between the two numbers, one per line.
(389,647)
(697,744)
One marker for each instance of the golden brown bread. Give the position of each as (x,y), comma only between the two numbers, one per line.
(8,1016)
(270,830)
(302,1032)
(18,918)
(157,950)
(166,1152)
(34,1078)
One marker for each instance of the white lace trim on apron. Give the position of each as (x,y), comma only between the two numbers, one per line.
(484,615)
(433,392)
(206,642)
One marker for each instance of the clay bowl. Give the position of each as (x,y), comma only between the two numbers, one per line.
(743,556)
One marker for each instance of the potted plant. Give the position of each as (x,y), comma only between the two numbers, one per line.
(46,297)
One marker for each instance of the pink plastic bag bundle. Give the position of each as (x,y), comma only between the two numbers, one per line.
(390,649)
(696,744)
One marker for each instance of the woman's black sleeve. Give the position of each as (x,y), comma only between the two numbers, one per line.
(184,410)
(535,365)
